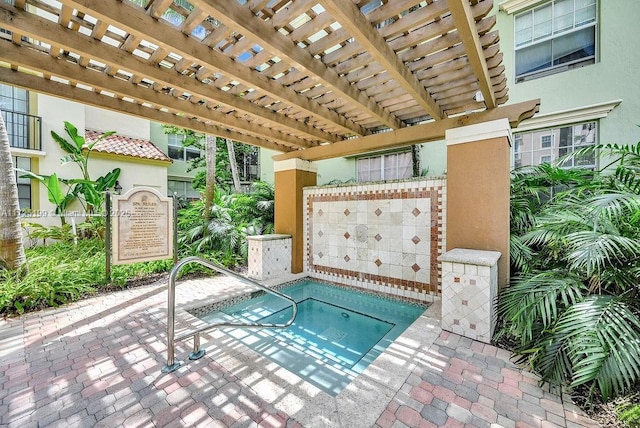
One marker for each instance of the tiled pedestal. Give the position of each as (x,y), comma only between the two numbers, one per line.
(269,256)
(469,289)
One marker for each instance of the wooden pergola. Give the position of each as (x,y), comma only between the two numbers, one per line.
(311,78)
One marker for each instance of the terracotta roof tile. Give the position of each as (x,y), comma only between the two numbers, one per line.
(126,146)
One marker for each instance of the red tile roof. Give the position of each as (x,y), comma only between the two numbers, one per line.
(126,146)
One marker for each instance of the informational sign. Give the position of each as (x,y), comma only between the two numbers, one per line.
(142,226)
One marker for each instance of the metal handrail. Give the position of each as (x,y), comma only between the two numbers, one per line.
(197,353)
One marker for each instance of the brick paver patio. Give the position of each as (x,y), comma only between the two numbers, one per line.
(469,383)
(97,363)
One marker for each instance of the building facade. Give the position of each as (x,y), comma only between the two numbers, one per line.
(31,117)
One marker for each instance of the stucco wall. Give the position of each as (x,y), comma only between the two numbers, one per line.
(433,159)
(104,120)
(54,112)
(383,237)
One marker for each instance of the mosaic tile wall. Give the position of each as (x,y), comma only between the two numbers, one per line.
(469,290)
(269,256)
(384,237)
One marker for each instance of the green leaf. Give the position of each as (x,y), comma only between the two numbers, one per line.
(54,191)
(604,343)
(72,132)
(107,181)
(64,144)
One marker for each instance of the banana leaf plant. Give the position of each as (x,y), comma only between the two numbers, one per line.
(55,194)
(63,192)
(79,152)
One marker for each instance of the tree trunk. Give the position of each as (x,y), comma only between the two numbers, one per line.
(211,147)
(415,160)
(11,247)
(234,166)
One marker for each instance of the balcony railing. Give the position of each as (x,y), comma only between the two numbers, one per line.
(25,131)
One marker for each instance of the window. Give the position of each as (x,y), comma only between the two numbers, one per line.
(248,161)
(23,130)
(24,184)
(183,189)
(14,99)
(392,166)
(178,152)
(545,141)
(556,143)
(555,36)
(6,34)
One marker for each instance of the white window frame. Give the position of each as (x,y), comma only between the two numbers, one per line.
(542,153)
(384,157)
(518,7)
(187,190)
(175,141)
(546,144)
(23,182)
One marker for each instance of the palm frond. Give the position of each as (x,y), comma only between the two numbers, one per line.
(613,204)
(592,252)
(604,343)
(534,302)
(521,254)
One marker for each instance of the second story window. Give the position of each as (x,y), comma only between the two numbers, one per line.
(555,36)
(545,141)
(14,99)
(179,152)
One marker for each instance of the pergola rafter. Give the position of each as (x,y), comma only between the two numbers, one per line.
(292,76)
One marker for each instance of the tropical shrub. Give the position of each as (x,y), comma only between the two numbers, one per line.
(62,192)
(54,276)
(232,218)
(572,309)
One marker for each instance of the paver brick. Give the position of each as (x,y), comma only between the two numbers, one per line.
(97,363)
(421,395)
(408,416)
(433,414)
(386,419)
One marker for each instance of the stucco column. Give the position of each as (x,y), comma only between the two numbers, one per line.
(291,176)
(478,190)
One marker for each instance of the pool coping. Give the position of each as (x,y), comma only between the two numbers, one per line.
(360,403)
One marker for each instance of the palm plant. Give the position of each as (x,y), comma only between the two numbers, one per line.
(232,217)
(573,304)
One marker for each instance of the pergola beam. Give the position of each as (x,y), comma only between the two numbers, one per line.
(465,22)
(136,23)
(72,41)
(61,90)
(234,15)
(429,132)
(40,62)
(350,17)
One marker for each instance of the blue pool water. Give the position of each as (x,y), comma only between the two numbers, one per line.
(336,335)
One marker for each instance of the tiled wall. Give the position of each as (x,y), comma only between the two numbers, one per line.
(469,289)
(269,256)
(384,237)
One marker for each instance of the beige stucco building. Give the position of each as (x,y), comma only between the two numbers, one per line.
(32,117)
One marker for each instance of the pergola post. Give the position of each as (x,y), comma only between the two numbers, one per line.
(478,190)
(291,176)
